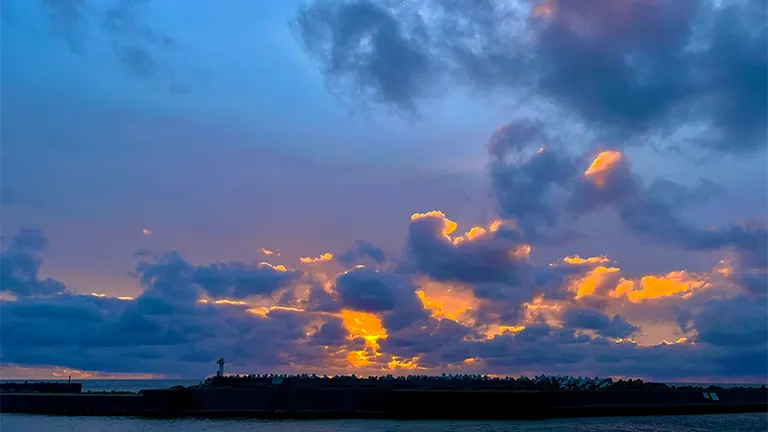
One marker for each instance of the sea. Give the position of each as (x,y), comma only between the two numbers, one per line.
(34,423)
(714,423)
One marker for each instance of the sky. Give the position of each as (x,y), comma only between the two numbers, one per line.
(508,187)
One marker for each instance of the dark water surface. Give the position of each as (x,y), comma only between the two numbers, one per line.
(719,423)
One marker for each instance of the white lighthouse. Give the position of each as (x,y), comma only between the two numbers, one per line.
(221,366)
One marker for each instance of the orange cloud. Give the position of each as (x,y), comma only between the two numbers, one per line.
(602,167)
(540,308)
(577,260)
(478,232)
(446,301)
(274,267)
(470,235)
(264,310)
(679,283)
(497,330)
(588,284)
(230,302)
(322,258)
(367,326)
(396,363)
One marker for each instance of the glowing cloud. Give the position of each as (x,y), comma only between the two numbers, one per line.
(410,364)
(577,260)
(269,252)
(367,326)
(602,167)
(679,283)
(280,268)
(588,284)
(449,226)
(322,258)
(446,301)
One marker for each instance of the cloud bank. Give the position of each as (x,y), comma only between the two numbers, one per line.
(698,77)
(471,302)
(481,301)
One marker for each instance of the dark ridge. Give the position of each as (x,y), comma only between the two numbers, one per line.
(388,397)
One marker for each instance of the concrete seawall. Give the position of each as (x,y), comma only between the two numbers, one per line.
(297,402)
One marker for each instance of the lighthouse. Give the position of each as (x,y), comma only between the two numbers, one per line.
(221,366)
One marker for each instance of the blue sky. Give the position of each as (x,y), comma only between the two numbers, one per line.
(305,127)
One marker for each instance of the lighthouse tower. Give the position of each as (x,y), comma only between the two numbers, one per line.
(221,366)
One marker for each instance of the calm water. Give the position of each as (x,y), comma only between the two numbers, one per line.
(125,385)
(717,423)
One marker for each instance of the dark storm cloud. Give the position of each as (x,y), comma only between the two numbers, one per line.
(370,291)
(606,326)
(389,294)
(703,63)
(527,189)
(30,240)
(332,332)
(168,330)
(492,262)
(166,325)
(137,47)
(237,280)
(484,259)
(20,265)
(360,45)
(740,321)
(169,276)
(93,334)
(360,253)
(562,351)
(541,188)
(436,343)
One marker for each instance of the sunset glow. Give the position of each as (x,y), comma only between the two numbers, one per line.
(373,187)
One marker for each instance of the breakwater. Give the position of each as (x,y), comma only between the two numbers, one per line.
(40,387)
(388,403)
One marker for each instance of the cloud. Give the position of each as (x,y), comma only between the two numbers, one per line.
(703,67)
(736,322)
(391,295)
(138,48)
(362,46)
(396,318)
(610,327)
(492,254)
(322,258)
(362,253)
(167,324)
(269,252)
(172,277)
(550,184)
(20,265)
